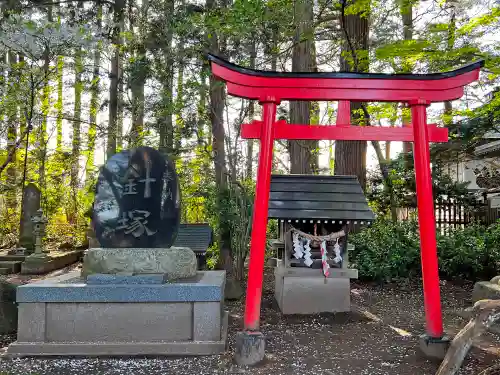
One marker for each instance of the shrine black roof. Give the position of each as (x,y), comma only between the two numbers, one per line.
(198,237)
(318,197)
(264,73)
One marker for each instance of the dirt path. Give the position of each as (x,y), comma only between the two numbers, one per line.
(380,338)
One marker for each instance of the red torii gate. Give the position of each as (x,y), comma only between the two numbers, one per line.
(270,88)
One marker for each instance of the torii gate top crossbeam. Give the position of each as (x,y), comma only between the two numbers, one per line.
(366,87)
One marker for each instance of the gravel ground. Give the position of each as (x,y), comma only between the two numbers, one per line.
(379,337)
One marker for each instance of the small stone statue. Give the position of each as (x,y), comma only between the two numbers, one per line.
(39,226)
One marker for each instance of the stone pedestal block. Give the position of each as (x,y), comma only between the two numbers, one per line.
(307,291)
(65,316)
(249,348)
(175,262)
(434,348)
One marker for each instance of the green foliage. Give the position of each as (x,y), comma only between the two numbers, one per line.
(231,212)
(399,190)
(387,251)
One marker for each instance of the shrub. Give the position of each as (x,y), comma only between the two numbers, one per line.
(389,250)
(463,253)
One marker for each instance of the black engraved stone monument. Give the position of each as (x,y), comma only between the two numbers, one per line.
(137,203)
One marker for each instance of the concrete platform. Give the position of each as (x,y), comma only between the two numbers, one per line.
(65,316)
(306,291)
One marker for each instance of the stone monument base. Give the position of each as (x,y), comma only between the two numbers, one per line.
(120,315)
(306,291)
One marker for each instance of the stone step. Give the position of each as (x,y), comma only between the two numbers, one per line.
(4,271)
(12,265)
(12,258)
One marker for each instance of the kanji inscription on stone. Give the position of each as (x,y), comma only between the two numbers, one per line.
(135,222)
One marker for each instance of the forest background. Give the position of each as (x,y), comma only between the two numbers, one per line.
(82,80)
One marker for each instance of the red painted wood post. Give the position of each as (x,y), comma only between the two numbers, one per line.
(259,220)
(344,113)
(427,221)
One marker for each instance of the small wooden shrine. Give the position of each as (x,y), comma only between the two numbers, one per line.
(315,215)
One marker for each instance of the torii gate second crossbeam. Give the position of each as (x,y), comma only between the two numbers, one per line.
(416,90)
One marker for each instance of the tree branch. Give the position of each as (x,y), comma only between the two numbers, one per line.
(12,151)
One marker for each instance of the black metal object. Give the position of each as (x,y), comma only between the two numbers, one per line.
(313,197)
(198,237)
(405,76)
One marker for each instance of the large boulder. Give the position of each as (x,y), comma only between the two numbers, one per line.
(175,262)
(137,202)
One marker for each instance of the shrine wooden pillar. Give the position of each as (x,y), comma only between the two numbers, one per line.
(426,220)
(259,219)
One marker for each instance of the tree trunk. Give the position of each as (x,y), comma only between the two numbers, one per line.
(251,113)
(179,100)
(350,156)
(3,82)
(138,82)
(20,159)
(452,31)
(331,157)
(12,119)
(76,142)
(314,120)
(301,160)
(217,46)
(115,78)
(166,123)
(120,104)
(42,135)
(406,11)
(94,105)
(59,104)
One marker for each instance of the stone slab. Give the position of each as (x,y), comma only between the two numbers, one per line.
(7,257)
(35,315)
(312,295)
(30,205)
(335,273)
(14,266)
(128,349)
(207,286)
(175,262)
(119,322)
(204,328)
(105,279)
(40,266)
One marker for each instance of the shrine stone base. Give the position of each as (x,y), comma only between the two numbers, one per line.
(306,291)
(121,315)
